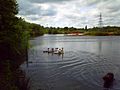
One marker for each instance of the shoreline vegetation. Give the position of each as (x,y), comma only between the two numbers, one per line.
(36,30)
(95,31)
(15,34)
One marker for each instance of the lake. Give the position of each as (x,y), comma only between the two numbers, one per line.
(85,61)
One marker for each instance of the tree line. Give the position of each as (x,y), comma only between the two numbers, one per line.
(38,30)
(35,30)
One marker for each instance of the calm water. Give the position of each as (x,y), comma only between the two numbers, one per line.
(86,60)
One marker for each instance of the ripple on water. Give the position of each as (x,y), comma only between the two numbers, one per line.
(91,74)
(84,67)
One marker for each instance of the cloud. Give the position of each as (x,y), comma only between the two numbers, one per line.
(48,1)
(76,13)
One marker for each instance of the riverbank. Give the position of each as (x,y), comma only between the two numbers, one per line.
(95,34)
(101,33)
(12,78)
(89,33)
(11,75)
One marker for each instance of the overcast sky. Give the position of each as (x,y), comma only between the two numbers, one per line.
(70,13)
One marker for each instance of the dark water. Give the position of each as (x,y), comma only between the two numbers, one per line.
(86,60)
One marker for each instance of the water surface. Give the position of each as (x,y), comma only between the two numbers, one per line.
(85,61)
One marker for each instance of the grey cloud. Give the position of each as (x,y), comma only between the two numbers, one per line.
(38,11)
(48,1)
(112,6)
(109,9)
(28,12)
(114,9)
(24,5)
(32,18)
(48,13)
(27,8)
(92,2)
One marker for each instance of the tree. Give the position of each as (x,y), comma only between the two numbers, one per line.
(13,35)
(8,10)
(13,43)
(86,27)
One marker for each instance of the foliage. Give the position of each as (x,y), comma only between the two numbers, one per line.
(8,10)
(13,42)
(14,36)
(108,30)
(36,30)
(7,80)
(105,31)
(98,33)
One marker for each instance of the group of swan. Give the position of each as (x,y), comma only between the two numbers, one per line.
(54,51)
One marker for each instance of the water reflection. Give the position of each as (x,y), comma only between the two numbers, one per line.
(85,61)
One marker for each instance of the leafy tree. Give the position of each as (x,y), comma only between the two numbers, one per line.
(13,36)
(36,30)
(8,10)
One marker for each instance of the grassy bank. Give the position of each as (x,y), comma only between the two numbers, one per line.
(100,33)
